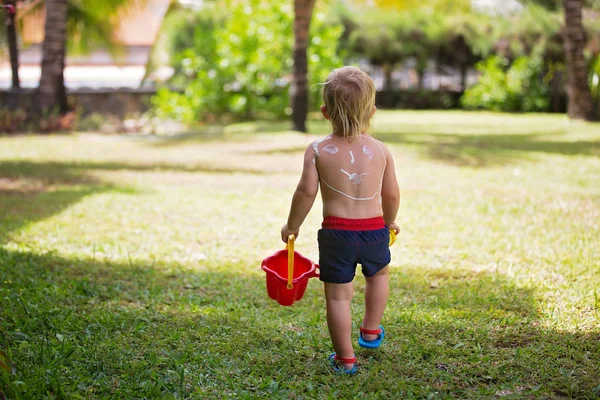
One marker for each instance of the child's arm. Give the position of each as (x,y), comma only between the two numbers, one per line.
(304,196)
(390,193)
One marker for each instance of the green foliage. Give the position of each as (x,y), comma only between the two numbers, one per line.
(91,23)
(519,86)
(376,37)
(90,26)
(190,35)
(323,52)
(548,4)
(388,36)
(240,65)
(558,4)
(3,39)
(594,78)
(479,32)
(441,6)
(536,31)
(420,31)
(464,39)
(12,120)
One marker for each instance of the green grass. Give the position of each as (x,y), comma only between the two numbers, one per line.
(129,267)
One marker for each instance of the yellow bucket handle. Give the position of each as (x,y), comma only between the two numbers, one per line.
(290,249)
(392,237)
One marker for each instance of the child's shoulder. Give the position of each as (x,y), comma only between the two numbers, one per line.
(314,145)
(380,144)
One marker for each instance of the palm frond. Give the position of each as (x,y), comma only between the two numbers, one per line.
(446,6)
(87,29)
(2,35)
(91,24)
(27,7)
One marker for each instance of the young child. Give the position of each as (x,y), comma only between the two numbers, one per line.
(360,203)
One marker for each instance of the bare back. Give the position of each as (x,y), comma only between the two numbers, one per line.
(350,175)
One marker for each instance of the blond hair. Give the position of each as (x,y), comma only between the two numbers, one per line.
(349,96)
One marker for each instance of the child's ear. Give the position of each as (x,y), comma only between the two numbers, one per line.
(374,110)
(325,113)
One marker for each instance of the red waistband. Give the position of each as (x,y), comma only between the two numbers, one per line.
(347,224)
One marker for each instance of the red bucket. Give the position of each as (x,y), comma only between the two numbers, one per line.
(282,286)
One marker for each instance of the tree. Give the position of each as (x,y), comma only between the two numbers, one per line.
(51,90)
(231,67)
(377,37)
(414,31)
(86,24)
(580,104)
(444,6)
(465,39)
(11,36)
(389,37)
(299,90)
(388,32)
(537,32)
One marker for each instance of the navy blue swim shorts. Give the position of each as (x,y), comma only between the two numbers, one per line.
(344,243)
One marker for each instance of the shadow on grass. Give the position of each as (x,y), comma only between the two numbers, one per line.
(202,135)
(238,132)
(281,150)
(33,191)
(147,329)
(490,150)
(76,172)
(221,133)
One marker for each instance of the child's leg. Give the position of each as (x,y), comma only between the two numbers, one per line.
(376,295)
(339,320)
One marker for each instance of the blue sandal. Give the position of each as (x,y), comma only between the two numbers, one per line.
(333,360)
(371,344)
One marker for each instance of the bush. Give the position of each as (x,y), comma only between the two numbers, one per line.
(520,86)
(12,121)
(419,99)
(241,66)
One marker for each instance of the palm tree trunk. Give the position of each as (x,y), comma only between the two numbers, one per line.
(13,48)
(420,71)
(464,70)
(51,91)
(387,97)
(580,99)
(299,90)
(557,91)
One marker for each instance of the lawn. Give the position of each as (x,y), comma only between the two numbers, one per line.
(130,267)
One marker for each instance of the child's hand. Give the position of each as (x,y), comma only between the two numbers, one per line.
(286,232)
(394,227)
